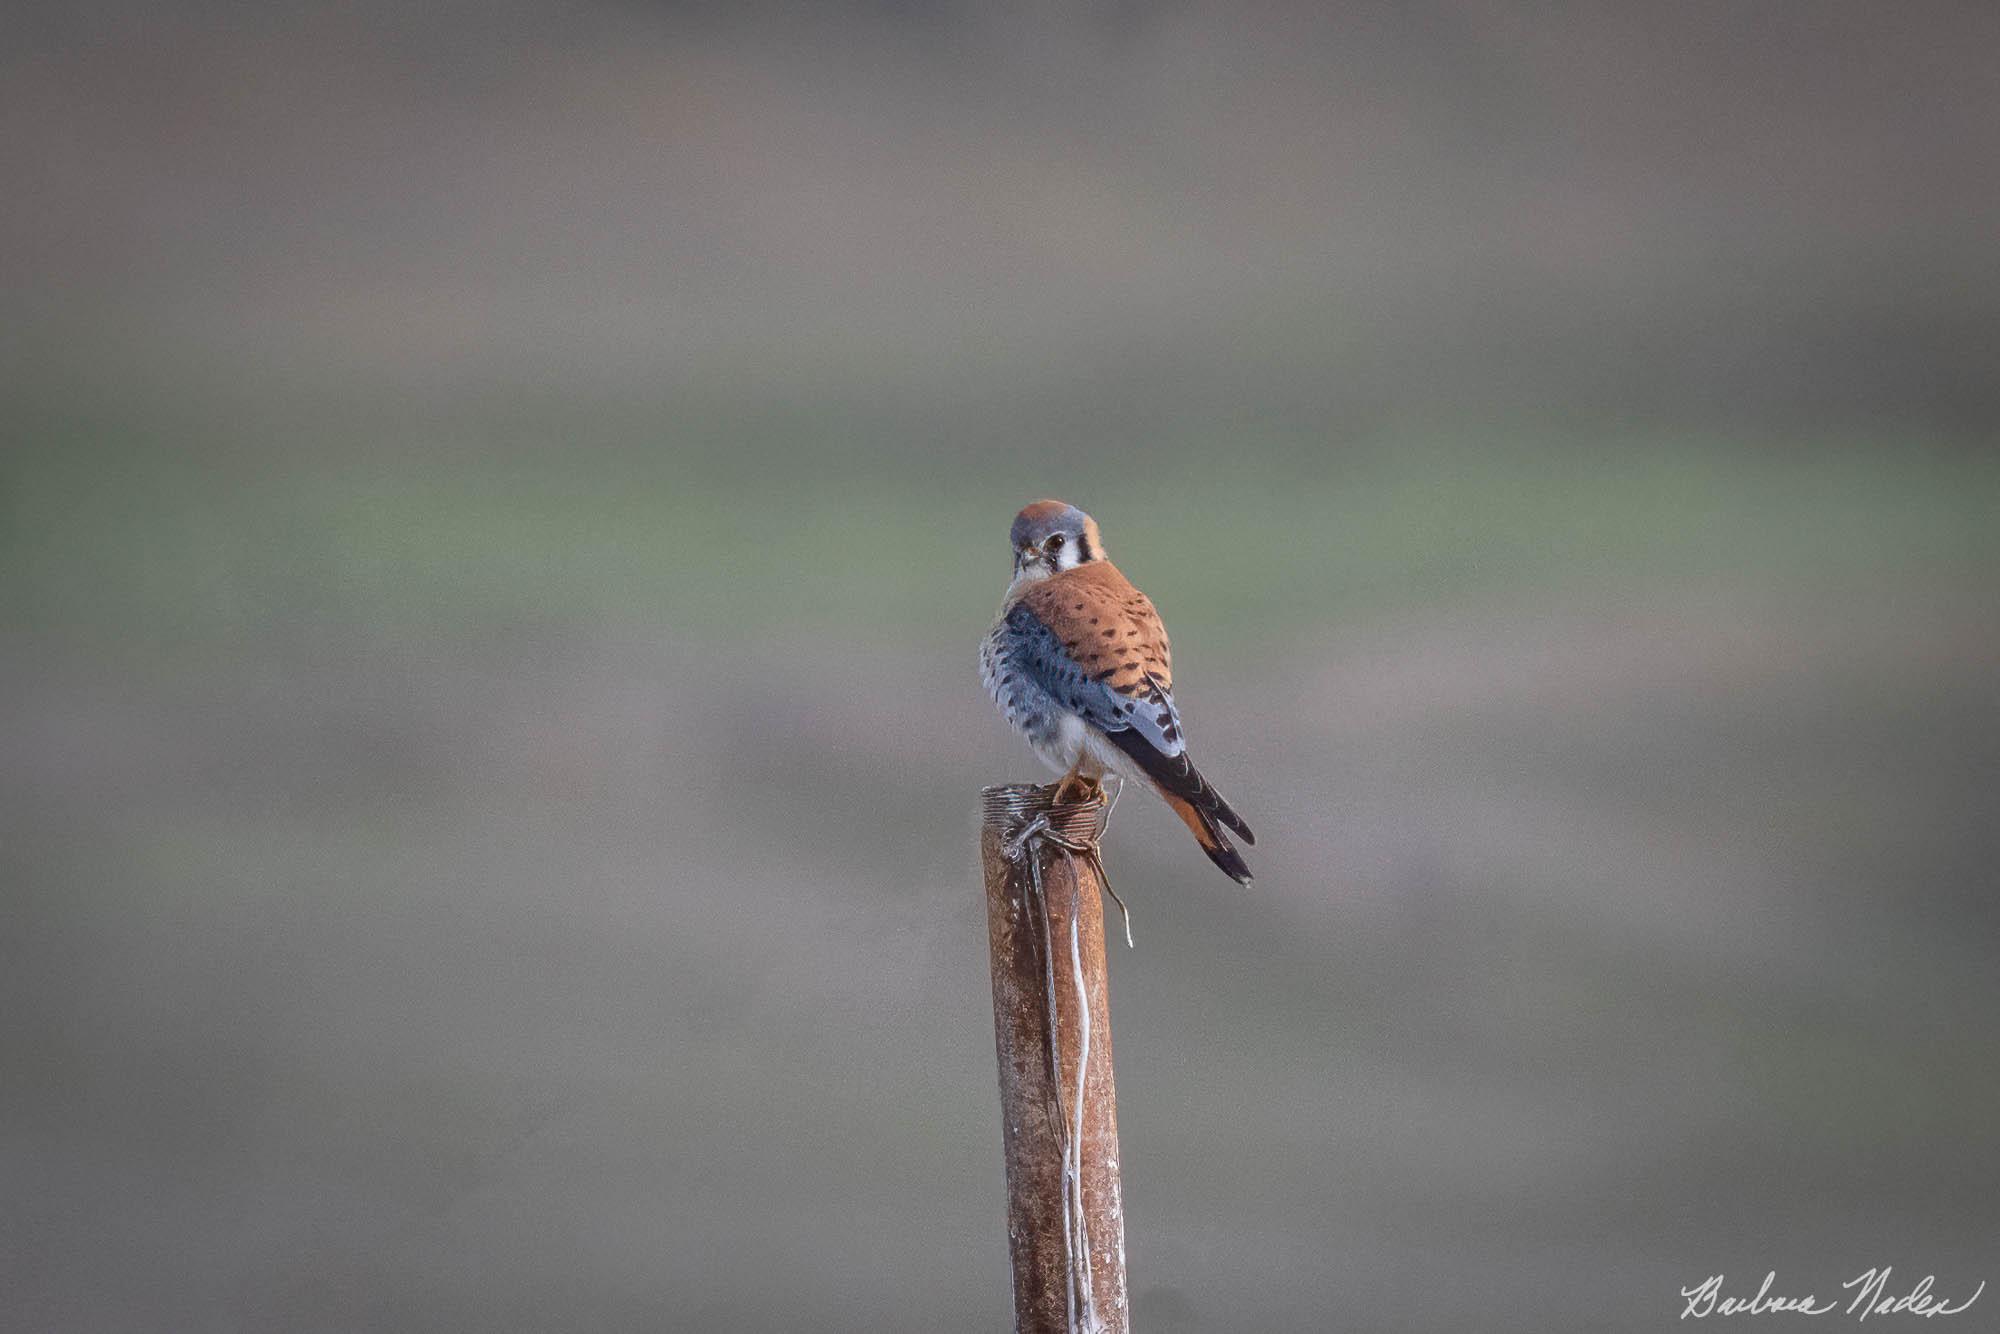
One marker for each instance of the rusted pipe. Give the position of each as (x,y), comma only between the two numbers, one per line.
(1052,1033)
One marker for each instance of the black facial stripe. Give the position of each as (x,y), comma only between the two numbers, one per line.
(1083,551)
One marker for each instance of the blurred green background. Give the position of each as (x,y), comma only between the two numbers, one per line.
(499,507)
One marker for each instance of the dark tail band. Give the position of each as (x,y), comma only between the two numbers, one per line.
(1199,805)
(1213,841)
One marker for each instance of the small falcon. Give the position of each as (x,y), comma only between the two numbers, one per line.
(1078,663)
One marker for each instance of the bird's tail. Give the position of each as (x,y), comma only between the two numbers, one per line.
(1198,804)
(1203,824)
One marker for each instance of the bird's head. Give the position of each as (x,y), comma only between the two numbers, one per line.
(1050,536)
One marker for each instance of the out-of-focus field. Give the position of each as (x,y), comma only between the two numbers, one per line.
(497,509)
(534,888)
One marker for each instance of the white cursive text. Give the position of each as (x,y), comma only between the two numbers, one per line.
(1871,1297)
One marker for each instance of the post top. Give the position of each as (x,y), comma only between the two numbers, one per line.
(1010,807)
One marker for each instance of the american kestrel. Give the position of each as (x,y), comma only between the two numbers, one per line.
(1078,663)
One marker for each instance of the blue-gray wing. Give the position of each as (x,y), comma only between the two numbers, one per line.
(1147,712)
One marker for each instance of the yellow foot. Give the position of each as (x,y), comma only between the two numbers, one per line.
(1074,787)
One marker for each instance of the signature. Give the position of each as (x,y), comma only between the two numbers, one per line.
(1871,1297)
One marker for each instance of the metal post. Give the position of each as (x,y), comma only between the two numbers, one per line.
(1052,1032)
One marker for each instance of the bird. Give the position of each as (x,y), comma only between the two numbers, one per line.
(1078,663)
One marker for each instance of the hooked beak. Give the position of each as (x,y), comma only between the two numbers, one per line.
(1026,556)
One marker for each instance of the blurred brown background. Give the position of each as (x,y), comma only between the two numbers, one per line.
(498,508)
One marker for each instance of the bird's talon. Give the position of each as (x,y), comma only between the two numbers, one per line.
(1078,790)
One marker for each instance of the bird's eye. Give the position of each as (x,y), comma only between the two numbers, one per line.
(1054,543)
